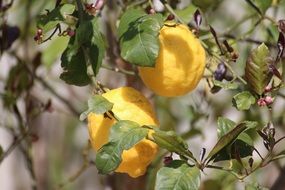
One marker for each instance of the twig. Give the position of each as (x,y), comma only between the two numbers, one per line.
(58,96)
(279,140)
(118,70)
(15,143)
(85,165)
(254,7)
(169,8)
(53,33)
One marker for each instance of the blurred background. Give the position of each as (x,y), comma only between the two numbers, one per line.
(43,145)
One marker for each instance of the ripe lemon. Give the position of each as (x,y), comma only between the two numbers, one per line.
(129,104)
(180,63)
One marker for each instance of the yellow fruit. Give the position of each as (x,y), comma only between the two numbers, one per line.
(129,104)
(180,63)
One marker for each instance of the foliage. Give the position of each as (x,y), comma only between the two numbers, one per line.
(244,77)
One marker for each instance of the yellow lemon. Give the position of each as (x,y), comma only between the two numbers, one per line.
(180,63)
(129,104)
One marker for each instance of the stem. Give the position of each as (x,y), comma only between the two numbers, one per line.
(229,67)
(80,10)
(15,143)
(118,70)
(82,169)
(169,8)
(224,169)
(279,140)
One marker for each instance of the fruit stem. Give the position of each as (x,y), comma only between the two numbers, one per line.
(169,8)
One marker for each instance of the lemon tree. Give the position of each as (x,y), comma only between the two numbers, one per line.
(177,70)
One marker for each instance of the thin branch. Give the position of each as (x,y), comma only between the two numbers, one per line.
(15,143)
(58,96)
(118,70)
(169,9)
(279,140)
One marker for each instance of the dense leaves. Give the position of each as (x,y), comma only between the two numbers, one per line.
(86,47)
(124,135)
(49,20)
(97,104)
(228,138)
(138,34)
(178,176)
(256,71)
(240,148)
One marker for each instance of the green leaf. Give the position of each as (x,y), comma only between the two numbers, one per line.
(262,5)
(124,135)
(256,70)
(224,126)
(280,155)
(51,19)
(226,140)
(74,66)
(138,35)
(181,177)
(186,14)
(53,50)
(87,46)
(226,85)
(97,104)
(241,146)
(254,186)
(89,36)
(243,100)
(172,142)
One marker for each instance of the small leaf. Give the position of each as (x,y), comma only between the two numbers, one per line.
(138,34)
(173,143)
(225,140)
(197,18)
(256,70)
(280,46)
(226,85)
(224,126)
(280,155)
(243,100)
(54,17)
(97,104)
(178,178)
(123,136)
(186,14)
(254,186)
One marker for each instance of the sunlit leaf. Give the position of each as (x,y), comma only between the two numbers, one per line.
(124,135)
(178,176)
(97,104)
(243,100)
(138,35)
(49,20)
(226,85)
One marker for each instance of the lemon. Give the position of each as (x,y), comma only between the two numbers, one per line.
(129,104)
(180,63)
